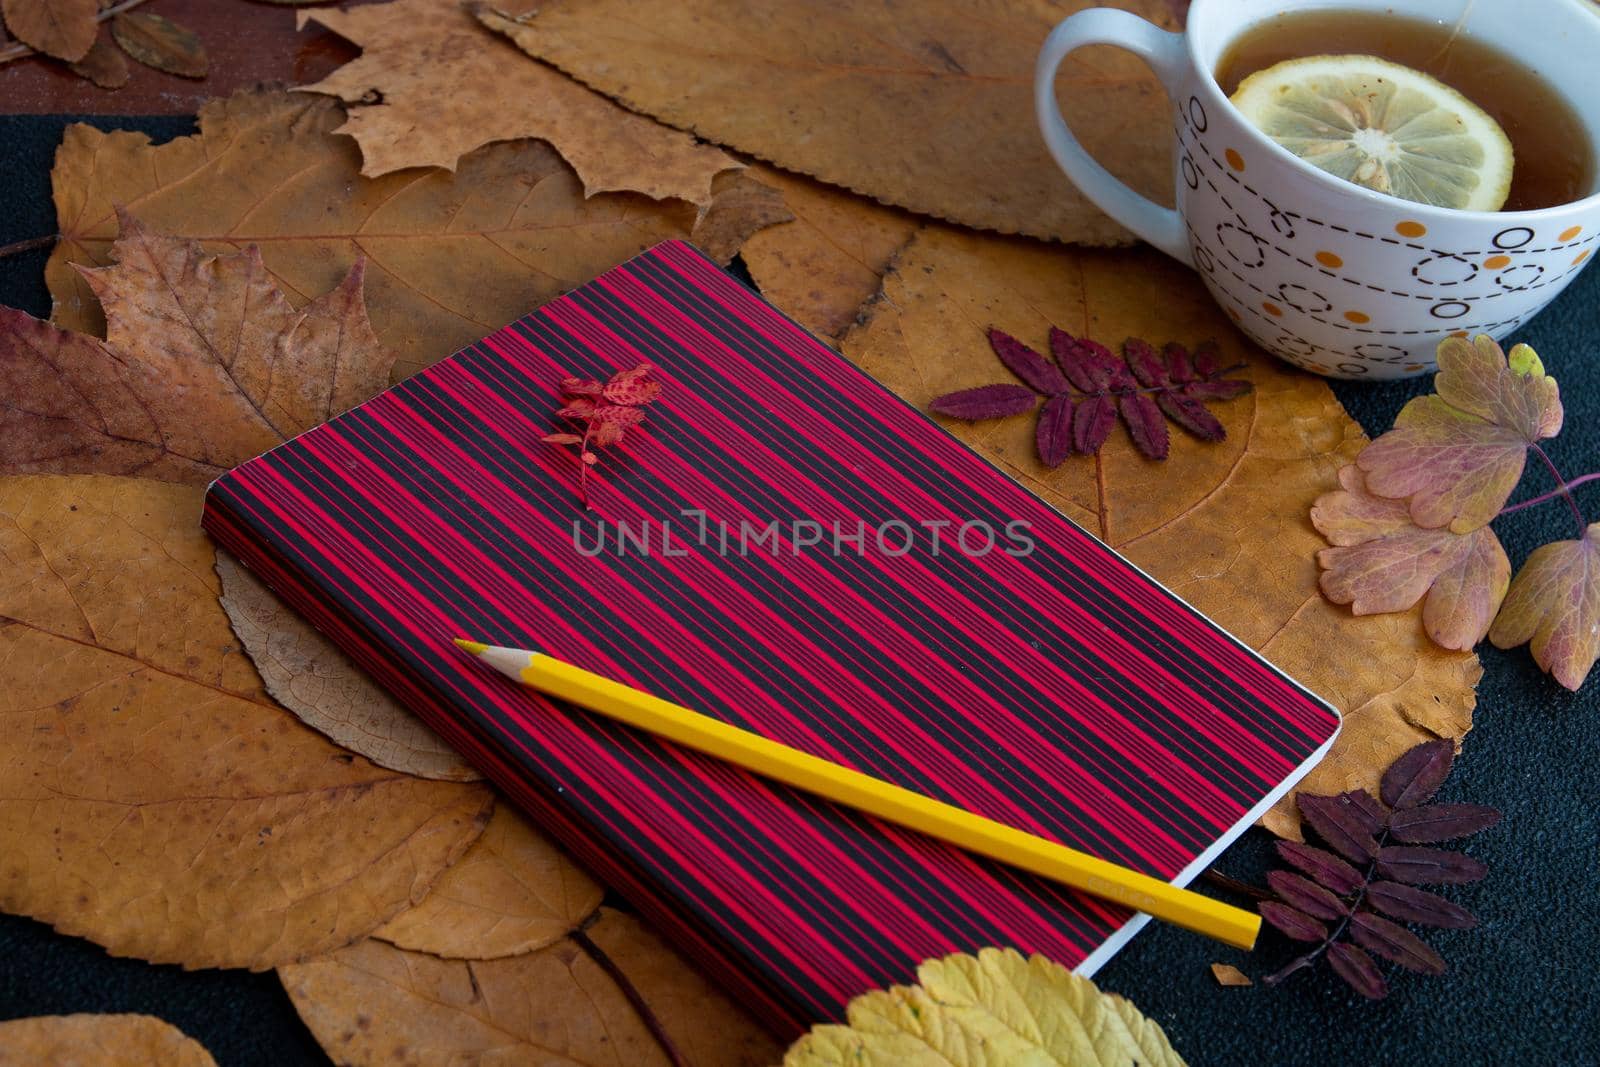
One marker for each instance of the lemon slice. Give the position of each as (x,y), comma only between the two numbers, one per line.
(1383,126)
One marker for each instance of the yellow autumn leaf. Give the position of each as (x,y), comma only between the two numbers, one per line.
(995,1009)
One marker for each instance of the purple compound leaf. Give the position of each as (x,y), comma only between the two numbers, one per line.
(1417,774)
(1145,424)
(1053,436)
(1344,827)
(1329,870)
(1092,423)
(1412,905)
(1292,922)
(1432,823)
(986,402)
(1428,866)
(1307,896)
(1041,375)
(1358,970)
(1395,943)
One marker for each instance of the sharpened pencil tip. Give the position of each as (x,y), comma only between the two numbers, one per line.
(475,648)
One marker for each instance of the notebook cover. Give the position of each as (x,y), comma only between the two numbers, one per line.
(1059,690)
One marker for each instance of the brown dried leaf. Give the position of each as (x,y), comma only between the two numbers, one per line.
(432,85)
(103,64)
(822,267)
(512,892)
(161,43)
(158,802)
(928,106)
(374,1004)
(1223,525)
(323,687)
(1227,974)
(205,365)
(98,1041)
(741,207)
(450,257)
(62,28)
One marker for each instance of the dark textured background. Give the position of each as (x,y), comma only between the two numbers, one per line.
(1522,986)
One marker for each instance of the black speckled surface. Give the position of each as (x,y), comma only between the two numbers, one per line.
(1522,988)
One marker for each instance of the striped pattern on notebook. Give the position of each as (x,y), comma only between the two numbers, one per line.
(1060,691)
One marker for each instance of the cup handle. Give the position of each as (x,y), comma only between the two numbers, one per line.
(1165,54)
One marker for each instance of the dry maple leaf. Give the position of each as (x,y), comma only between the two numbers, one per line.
(938,97)
(1555,603)
(1457,454)
(367,1003)
(822,267)
(450,257)
(992,1008)
(64,29)
(204,366)
(326,690)
(1222,526)
(1382,561)
(512,892)
(157,802)
(432,84)
(98,1041)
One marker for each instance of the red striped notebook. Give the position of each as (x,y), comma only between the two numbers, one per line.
(1059,689)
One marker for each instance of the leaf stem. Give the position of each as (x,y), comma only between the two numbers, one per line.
(629,990)
(18,50)
(1233,885)
(1564,490)
(31,243)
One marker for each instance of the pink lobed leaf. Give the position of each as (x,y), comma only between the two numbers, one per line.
(1456,456)
(1554,603)
(1382,562)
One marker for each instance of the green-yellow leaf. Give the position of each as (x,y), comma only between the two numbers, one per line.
(1555,603)
(1458,454)
(995,1009)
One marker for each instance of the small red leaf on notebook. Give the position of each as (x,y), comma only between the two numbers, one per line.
(606,410)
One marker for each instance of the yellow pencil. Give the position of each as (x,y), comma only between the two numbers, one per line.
(865,793)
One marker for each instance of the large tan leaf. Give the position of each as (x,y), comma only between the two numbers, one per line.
(822,267)
(512,892)
(995,1009)
(98,1041)
(450,257)
(374,1004)
(62,28)
(927,105)
(432,84)
(205,365)
(1226,525)
(155,800)
(308,675)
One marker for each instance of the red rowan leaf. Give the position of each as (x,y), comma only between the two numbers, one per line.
(1306,895)
(606,409)
(1358,970)
(1092,423)
(986,402)
(1053,436)
(1395,943)
(1324,866)
(1428,866)
(1145,425)
(1417,773)
(1292,922)
(1040,374)
(581,387)
(562,439)
(1338,822)
(1432,823)
(1413,905)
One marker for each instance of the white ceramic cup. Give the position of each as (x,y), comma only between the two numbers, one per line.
(1332,277)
